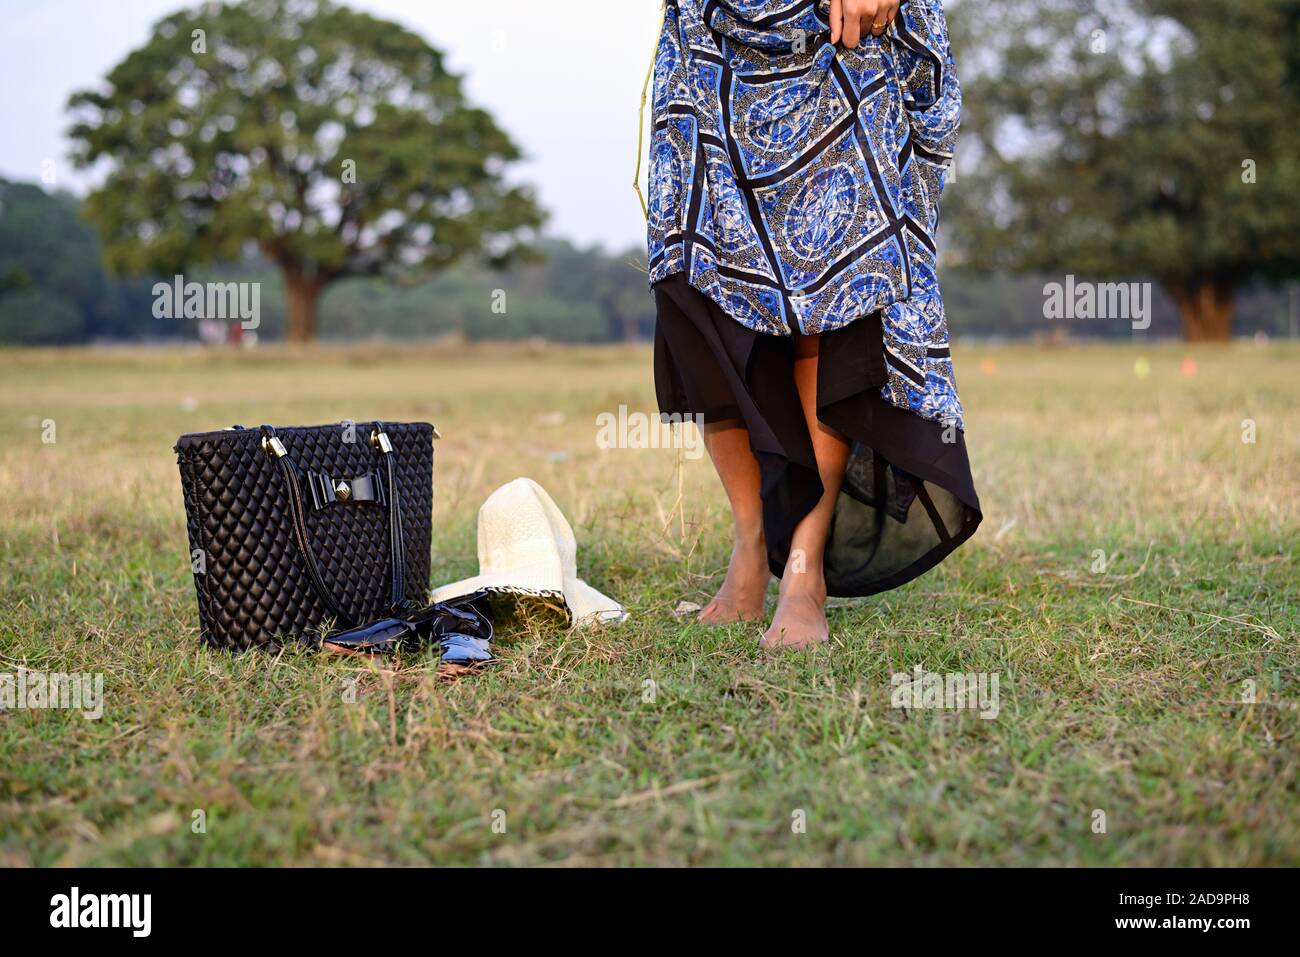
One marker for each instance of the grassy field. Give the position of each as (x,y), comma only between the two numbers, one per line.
(1138,564)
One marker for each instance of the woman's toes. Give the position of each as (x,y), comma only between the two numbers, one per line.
(798,623)
(722,611)
(709,612)
(743,594)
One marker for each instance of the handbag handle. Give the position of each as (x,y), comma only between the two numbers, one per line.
(379,440)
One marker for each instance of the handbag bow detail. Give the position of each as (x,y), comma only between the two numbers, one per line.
(326,490)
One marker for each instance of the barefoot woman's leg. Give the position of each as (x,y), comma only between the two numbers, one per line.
(800,618)
(741,596)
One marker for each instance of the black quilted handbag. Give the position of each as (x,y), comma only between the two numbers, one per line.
(296,528)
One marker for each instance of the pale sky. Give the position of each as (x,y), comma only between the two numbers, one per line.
(564,79)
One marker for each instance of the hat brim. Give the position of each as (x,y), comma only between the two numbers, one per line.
(589,607)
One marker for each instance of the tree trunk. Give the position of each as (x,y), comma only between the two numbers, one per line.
(301,295)
(1206,307)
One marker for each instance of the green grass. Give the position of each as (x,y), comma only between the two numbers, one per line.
(1121,690)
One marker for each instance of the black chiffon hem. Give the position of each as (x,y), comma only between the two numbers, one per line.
(908,498)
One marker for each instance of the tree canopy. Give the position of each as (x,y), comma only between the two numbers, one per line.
(338,142)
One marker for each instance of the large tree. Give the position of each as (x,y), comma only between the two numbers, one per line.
(338,142)
(1154,137)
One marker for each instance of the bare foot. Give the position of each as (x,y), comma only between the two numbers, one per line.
(744,590)
(800,619)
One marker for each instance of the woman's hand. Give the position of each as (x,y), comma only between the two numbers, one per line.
(851,20)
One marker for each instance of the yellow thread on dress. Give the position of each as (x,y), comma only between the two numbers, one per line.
(640,130)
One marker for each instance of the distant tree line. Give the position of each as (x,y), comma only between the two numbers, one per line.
(54,290)
(53,287)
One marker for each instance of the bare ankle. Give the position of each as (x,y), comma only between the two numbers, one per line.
(749,539)
(806,583)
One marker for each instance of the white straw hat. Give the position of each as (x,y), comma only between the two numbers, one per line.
(526,547)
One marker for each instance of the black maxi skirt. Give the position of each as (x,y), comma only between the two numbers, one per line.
(908,499)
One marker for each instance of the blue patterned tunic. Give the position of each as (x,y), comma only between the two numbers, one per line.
(797,183)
